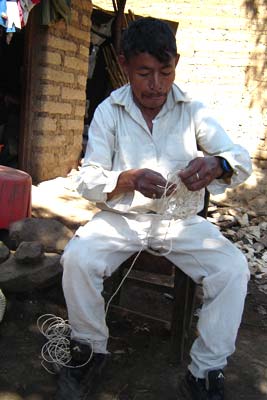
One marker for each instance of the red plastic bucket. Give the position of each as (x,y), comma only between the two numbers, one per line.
(15,195)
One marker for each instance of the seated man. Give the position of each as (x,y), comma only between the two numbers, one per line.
(142,158)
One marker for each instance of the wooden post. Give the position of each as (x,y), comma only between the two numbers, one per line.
(119,24)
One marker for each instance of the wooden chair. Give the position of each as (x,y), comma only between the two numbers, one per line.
(159,274)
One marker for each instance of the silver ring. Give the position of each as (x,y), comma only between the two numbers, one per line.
(197,176)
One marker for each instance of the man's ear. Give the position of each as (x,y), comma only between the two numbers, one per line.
(123,63)
(177,58)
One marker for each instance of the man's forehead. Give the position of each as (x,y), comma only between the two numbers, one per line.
(150,67)
(147,61)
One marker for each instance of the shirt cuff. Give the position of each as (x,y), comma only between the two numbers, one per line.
(112,179)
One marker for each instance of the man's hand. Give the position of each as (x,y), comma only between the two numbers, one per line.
(146,181)
(152,184)
(200,172)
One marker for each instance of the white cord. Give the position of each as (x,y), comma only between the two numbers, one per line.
(182,203)
(56,350)
(123,279)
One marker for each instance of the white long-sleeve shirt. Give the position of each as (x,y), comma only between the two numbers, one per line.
(119,139)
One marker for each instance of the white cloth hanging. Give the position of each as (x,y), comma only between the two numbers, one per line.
(13,17)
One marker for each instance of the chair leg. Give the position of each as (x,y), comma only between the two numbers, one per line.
(191,303)
(184,298)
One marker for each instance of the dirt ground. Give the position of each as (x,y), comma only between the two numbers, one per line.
(141,364)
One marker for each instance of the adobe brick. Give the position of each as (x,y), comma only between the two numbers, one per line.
(62,44)
(78,33)
(45,124)
(72,94)
(79,111)
(81,79)
(84,50)
(49,90)
(76,63)
(56,75)
(71,124)
(51,57)
(53,107)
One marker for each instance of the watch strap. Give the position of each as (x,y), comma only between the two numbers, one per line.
(226,167)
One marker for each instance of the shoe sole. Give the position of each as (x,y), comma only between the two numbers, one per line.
(184,390)
(88,389)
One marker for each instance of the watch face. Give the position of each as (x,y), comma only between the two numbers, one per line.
(226,166)
(227,170)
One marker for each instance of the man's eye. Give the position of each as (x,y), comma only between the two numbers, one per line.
(144,74)
(166,73)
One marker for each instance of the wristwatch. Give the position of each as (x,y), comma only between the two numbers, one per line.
(226,167)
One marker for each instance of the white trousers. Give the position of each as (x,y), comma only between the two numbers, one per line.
(194,244)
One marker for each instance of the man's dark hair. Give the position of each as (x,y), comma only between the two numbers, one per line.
(149,35)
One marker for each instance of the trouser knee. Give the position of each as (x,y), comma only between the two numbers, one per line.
(231,273)
(80,258)
(240,269)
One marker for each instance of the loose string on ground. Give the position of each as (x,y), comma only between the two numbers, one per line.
(56,351)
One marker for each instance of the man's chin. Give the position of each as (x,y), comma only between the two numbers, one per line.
(154,103)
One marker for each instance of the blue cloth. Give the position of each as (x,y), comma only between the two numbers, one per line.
(3,21)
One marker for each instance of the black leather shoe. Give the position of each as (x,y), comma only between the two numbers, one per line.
(211,388)
(77,382)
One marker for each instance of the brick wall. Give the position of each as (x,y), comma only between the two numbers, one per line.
(223,62)
(223,47)
(58,95)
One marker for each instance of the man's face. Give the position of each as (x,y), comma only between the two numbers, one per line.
(150,79)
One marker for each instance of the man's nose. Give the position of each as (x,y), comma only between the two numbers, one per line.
(155,82)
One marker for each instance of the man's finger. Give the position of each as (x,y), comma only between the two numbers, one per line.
(190,170)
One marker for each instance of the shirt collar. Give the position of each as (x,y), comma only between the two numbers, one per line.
(123,97)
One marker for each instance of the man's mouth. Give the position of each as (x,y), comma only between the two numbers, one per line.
(155,95)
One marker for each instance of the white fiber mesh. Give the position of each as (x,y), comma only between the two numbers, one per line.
(183,203)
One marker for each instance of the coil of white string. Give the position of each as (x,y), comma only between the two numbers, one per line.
(56,351)
(57,332)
